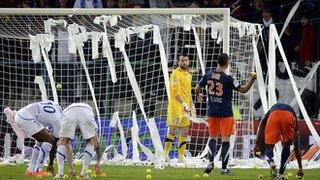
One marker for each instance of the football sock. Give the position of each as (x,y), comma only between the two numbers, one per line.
(168,144)
(269,153)
(61,156)
(212,149)
(284,158)
(225,154)
(43,155)
(182,147)
(88,154)
(34,157)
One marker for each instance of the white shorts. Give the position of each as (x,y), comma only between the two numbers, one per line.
(78,116)
(27,123)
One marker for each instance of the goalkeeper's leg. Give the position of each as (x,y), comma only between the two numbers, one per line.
(168,141)
(182,143)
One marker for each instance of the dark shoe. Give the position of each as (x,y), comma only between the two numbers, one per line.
(209,168)
(226,172)
(273,170)
(279,177)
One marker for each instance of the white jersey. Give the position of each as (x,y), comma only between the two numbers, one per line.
(47,113)
(43,111)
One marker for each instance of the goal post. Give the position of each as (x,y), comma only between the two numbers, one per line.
(119,61)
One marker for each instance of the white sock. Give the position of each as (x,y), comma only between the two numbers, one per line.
(88,154)
(61,156)
(43,155)
(34,157)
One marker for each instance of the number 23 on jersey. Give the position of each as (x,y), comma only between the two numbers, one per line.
(215,88)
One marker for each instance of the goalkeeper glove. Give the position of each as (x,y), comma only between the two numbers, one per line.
(193,111)
(185,107)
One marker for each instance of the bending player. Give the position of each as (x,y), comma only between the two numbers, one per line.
(220,115)
(279,124)
(74,116)
(32,120)
(180,103)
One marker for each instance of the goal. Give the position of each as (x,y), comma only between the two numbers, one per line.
(119,62)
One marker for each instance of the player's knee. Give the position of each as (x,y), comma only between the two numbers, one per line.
(225,138)
(46,146)
(172,130)
(184,132)
(91,141)
(63,141)
(214,137)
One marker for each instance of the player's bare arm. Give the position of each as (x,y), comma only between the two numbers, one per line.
(245,88)
(183,103)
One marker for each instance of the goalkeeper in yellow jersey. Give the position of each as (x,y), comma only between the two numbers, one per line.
(180,104)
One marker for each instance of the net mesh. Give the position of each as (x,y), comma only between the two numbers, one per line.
(18,72)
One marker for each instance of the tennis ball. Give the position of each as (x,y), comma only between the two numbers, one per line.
(77,177)
(148,176)
(196,176)
(148,171)
(258,153)
(65,177)
(260,176)
(205,175)
(289,174)
(58,86)
(253,74)
(103,175)
(89,171)
(93,175)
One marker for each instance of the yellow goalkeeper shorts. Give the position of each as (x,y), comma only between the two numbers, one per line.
(177,120)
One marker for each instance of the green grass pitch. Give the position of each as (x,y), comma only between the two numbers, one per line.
(139,173)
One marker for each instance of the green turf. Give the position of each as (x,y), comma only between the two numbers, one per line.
(139,172)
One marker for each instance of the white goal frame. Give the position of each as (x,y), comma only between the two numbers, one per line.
(224,12)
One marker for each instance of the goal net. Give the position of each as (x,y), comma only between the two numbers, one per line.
(119,62)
